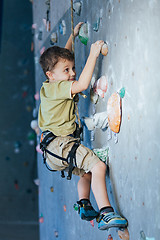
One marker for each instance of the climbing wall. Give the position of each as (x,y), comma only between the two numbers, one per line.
(120,114)
(18,162)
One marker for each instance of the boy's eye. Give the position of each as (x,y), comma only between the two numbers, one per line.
(66,70)
(73,68)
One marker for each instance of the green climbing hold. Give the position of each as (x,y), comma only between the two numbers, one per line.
(102,153)
(83,33)
(122,92)
(75,206)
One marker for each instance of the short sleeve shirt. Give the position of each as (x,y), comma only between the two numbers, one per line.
(56,112)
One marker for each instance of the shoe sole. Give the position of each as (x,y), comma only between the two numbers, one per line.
(106,227)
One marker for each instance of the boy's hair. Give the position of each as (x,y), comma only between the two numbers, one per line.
(51,56)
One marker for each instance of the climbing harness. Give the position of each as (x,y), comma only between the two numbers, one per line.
(46,138)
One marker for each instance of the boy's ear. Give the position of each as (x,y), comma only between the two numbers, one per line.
(49,74)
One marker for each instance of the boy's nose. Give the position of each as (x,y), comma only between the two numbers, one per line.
(73,73)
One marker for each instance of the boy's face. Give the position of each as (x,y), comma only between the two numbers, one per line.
(63,70)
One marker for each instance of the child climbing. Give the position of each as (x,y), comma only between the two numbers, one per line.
(57,119)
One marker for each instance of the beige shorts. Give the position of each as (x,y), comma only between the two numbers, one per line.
(85,158)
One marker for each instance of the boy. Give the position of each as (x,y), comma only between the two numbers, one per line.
(56,115)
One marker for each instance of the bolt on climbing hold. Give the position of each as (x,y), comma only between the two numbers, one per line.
(96,25)
(41,219)
(92,223)
(51,189)
(110,237)
(100,86)
(123,233)
(83,33)
(77,8)
(62,27)
(122,92)
(38,149)
(64,208)
(16,184)
(104,49)
(102,153)
(53,38)
(36,96)
(42,50)
(56,234)
(34,126)
(114,112)
(17,146)
(40,35)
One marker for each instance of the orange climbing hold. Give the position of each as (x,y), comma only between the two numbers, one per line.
(114,112)
(123,234)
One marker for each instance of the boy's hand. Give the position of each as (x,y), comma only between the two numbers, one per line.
(76,29)
(96,48)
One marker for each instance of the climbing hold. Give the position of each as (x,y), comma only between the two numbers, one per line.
(34,26)
(31,138)
(37,182)
(42,50)
(102,153)
(51,189)
(115,138)
(38,149)
(29,108)
(93,96)
(122,92)
(56,234)
(36,96)
(62,27)
(104,49)
(64,208)
(110,237)
(40,35)
(76,207)
(35,112)
(83,33)
(32,46)
(41,219)
(142,235)
(114,112)
(17,146)
(16,184)
(100,86)
(53,38)
(92,223)
(123,233)
(77,8)
(96,25)
(24,94)
(34,126)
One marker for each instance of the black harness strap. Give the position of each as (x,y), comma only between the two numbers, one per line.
(71,158)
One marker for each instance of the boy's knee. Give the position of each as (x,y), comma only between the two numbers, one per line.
(100,166)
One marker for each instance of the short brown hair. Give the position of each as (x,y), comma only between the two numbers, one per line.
(51,56)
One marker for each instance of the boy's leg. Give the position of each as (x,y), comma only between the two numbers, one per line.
(84,185)
(85,209)
(107,217)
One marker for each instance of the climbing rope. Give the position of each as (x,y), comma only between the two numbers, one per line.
(73,50)
(72,26)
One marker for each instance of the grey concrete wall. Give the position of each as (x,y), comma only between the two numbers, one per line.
(131,29)
(18,193)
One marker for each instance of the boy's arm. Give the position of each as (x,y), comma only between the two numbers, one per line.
(86,75)
(76,31)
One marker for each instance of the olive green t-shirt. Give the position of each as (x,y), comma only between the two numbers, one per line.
(56,111)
